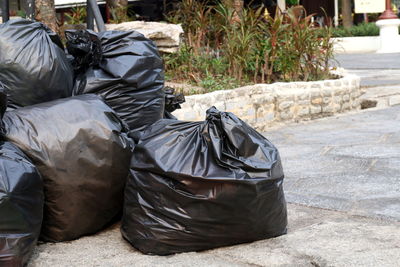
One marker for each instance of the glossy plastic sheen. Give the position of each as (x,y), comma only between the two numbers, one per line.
(33,66)
(80,147)
(172,102)
(201,185)
(21,206)
(129,77)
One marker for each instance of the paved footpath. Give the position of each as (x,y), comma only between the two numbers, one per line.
(380,76)
(343,188)
(374,69)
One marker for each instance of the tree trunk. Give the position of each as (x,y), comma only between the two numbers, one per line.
(46,13)
(119,9)
(346,13)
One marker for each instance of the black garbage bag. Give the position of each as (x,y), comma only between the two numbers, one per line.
(3,103)
(172,102)
(3,100)
(129,76)
(80,147)
(201,185)
(21,206)
(85,45)
(33,65)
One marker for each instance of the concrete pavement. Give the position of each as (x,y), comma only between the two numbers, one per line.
(380,76)
(350,163)
(343,188)
(374,69)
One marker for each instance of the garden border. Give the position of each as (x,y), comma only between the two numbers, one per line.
(262,105)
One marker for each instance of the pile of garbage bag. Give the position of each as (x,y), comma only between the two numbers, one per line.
(88,138)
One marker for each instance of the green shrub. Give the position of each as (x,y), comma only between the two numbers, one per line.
(363,29)
(225,48)
(292,2)
(76,16)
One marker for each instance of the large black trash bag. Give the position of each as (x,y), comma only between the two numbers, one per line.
(21,206)
(33,65)
(201,185)
(129,76)
(3,103)
(21,201)
(80,147)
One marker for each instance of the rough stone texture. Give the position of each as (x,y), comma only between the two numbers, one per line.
(167,36)
(262,105)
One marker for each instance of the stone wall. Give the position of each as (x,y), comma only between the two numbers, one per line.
(262,105)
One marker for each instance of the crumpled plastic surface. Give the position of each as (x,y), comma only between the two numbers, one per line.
(80,147)
(130,76)
(173,102)
(86,48)
(33,66)
(21,206)
(201,185)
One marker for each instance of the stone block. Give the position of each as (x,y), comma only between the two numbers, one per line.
(394,100)
(220,105)
(316,85)
(315,109)
(327,92)
(285,105)
(287,115)
(304,102)
(316,101)
(251,112)
(327,100)
(234,105)
(328,109)
(337,83)
(303,111)
(356,104)
(346,106)
(190,116)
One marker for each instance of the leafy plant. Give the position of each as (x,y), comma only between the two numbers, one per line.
(292,2)
(363,29)
(225,47)
(77,15)
(122,14)
(21,13)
